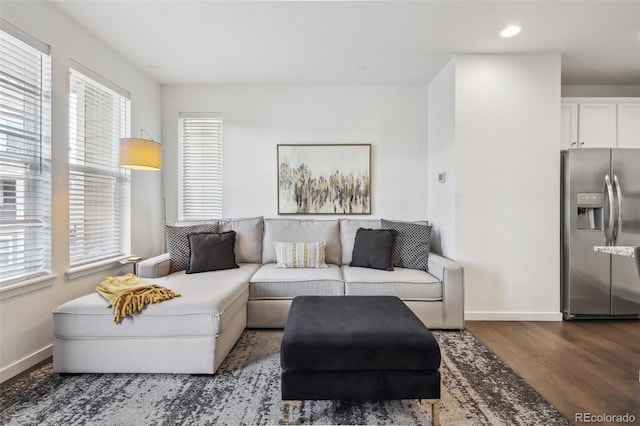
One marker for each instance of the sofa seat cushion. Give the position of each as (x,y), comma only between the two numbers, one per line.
(407,284)
(208,302)
(272,282)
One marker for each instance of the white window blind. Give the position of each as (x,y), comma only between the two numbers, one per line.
(99,191)
(200,166)
(25,159)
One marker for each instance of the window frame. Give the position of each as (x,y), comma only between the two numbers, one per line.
(215,211)
(27,98)
(110,204)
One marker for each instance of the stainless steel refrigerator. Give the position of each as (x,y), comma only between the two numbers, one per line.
(600,206)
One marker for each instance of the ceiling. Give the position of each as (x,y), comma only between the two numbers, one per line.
(358,42)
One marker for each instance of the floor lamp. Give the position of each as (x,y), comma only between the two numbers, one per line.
(143,154)
(140,154)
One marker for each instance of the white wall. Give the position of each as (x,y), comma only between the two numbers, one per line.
(507,130)
(441,120)
(25,319)
(257,118)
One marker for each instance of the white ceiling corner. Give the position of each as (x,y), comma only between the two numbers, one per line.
(359,42)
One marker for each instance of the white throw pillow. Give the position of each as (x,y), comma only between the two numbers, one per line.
(300,255)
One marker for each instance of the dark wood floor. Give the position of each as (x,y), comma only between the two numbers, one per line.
(578,366)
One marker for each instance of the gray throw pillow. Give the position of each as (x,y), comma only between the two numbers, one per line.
(373,248)
(178,243)
(212,252)
(412,244)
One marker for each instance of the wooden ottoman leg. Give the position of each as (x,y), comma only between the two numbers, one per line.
(285,410)
(435,409)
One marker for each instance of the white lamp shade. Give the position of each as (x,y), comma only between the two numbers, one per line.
(140,154)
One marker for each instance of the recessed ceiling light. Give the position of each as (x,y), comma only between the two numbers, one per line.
(510,31)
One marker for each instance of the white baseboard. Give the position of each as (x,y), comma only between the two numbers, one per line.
(512,316)
(25,363)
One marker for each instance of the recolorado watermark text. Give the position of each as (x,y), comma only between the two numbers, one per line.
(604,418)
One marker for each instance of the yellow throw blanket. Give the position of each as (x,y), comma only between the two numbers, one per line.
(128,294)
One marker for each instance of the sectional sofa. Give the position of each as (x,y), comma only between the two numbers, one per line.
(194,332)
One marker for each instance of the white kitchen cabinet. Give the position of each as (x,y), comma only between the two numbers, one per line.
(628,125)
(597,125)
(600,123)
(569,138)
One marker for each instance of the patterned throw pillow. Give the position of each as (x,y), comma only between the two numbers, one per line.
(412,244)
(178,243)
(300,255)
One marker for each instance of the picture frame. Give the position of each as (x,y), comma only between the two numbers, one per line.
(319,179)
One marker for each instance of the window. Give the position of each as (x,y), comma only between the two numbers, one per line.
(99,191)
(200,166)
(25,157)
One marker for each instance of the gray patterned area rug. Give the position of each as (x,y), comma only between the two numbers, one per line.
(477,389)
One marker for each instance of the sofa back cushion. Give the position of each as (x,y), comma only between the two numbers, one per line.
(248,246)
(348,229)
(248,237)
(302,230)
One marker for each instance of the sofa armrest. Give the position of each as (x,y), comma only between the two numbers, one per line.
(155,267)
(452,276)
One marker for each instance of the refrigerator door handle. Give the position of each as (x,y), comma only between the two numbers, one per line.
(608,235)
(618,225)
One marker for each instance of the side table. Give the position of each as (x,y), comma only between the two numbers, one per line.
(133,260)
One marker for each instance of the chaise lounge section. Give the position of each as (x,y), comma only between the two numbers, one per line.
(191,334)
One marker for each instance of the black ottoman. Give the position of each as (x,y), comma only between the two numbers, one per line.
(357,348)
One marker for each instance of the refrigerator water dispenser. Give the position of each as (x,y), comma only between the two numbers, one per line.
(589,206)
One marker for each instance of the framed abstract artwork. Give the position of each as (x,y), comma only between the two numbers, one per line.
(324,179)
